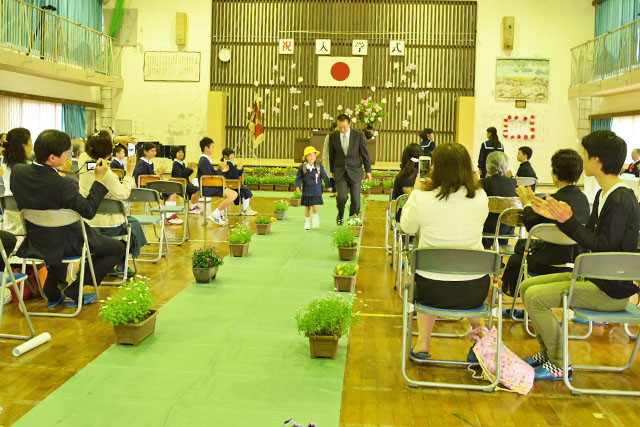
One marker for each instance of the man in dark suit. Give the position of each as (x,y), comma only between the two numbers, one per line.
(634,167)
(347,153)
(38,186)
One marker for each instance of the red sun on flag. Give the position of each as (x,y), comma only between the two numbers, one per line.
(340,71)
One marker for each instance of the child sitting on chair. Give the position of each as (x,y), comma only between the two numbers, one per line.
(180,170)
(310,174)
(117,161)
(205,167)
(235,172)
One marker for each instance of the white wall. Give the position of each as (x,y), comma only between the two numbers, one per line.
(24,83)
(168,112)
(543,29)
(617,103)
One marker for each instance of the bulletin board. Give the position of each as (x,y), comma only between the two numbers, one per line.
(172,66)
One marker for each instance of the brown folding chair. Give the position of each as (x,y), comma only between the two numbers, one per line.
(119,173)
(235,184)
(143,179)
(211,181)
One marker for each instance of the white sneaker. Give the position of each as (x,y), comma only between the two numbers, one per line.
(248,212)
(217,219)
(175,221)
(196,210)
(316,222)
(307,226)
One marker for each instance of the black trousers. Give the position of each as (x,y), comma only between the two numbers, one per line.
(8,243)
(347,185)
(105,254)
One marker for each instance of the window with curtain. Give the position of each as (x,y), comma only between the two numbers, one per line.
(33,115)
(612,14)
(628,128)
(74,120)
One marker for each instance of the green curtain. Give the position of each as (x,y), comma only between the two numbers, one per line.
(74,120)
(601,124)
(612,14)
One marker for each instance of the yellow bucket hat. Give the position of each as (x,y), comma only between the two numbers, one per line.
(309,149)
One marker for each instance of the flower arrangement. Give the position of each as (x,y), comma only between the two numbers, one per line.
(297,195)
(370,112)
(239,234)
(344,237)
(346,269)
(131,304)
(281,205)
(206,257)
(265,220)
(354,221)
(331,315)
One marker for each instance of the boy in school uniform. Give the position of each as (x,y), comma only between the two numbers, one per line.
(117,162)
(235,172)
(181,170)
(525,169)
(205,167)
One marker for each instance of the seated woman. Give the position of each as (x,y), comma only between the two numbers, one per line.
(406,178)
(17,149)
(497,184)
(566,168)
(99,148)
(457,208)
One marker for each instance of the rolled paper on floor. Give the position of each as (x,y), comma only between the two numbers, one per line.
(31,344)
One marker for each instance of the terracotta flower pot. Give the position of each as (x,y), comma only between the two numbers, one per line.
(204,275)
(294,202)
(135,333)
(263,228)
(238,249)
(344,283)
(280,214)
(361,215)
(356,229)
(347,254)
(320,346)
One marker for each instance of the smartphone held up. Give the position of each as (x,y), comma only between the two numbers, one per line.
(424,167)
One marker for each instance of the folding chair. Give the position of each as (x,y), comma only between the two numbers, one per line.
(54,218)
(511,217)
(235,184)
(608,266)
(211,181)
(171,187)
(10,278)
(148,198)
(396,250)
(497,205)
(144,179)
(389,216)
(450,261)
(119,173)
(117,207)
(525,181)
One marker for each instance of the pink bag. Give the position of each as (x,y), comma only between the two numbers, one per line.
(515,374)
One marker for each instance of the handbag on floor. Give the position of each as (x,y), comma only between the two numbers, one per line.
(515,374)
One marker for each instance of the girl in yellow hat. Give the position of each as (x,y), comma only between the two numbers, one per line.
(310,174)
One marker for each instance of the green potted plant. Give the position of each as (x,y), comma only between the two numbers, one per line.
(345,240)
(356,224)
(324,320)
(280,211)
(253,182)
(387,186)
(129,311)
(266,183)
(376,187)
(281,183)
(291,180)
(239,238)
(344,277)
(365,188)
(205,262)
(296,198)
(263,224)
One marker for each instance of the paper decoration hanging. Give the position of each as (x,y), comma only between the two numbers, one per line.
(519,127)
(285,47)
(323,47)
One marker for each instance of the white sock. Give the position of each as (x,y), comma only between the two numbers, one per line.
(315,216)
(307,219)
(170,203)
(245,204)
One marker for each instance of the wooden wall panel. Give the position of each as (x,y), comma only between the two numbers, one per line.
(439,38)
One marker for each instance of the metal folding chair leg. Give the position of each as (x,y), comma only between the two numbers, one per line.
(160,253)
(23,309)
(629,333)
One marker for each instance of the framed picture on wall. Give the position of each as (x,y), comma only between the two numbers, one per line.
(522,78)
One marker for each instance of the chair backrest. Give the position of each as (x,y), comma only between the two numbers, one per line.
(550,233)
(233,184)
(497,204)
(400,202)
(213,181)
(182,181)
(119,172)
(510,216)
(144,179)
(168,187)
(525,181)
(458,261)
(112,207)
(144,195)
(8,203)
(608,266)
(51,218)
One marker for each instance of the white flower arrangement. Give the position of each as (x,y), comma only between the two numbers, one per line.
(370,112)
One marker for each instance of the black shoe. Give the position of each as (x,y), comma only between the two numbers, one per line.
(339,221)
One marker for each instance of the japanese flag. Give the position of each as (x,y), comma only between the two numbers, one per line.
(340,71)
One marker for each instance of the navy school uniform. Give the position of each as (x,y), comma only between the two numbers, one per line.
(205,167)
(485,149)
(235,173)
(142,168)
(427,146)
(115,164)
(310,177)
(180,170)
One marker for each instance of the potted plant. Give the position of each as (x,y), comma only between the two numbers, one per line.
(252,182)
(129,311)
(281,183)
(263,224)
(356,224)
(281,208)
(266,183)
(205,262)
(376,187)
(365,187)
(296,198)
(239,238)
(344,277)
(363,207)
(324,321)
(387,185)
(291,180)
(345,240)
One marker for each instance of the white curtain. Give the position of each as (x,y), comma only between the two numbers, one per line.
(628,128)
(35,116)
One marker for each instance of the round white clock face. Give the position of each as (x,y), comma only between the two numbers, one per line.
(224,55)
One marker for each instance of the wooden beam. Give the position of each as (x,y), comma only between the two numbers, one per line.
(49,99)
(617,114)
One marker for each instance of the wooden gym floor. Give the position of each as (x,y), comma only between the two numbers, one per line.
(374,392)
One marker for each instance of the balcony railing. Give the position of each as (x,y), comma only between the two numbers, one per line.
(40,33)
(609,55)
